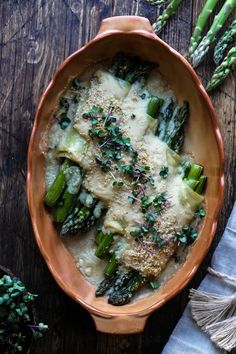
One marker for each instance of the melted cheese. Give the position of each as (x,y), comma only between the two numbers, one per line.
(129,106)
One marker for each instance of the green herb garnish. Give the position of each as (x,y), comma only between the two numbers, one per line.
(154,284)
(164,171)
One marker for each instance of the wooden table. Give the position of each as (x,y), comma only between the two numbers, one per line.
(35,37)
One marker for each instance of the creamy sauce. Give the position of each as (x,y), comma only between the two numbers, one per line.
(129,106)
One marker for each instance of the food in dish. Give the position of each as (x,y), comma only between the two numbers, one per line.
(124,197)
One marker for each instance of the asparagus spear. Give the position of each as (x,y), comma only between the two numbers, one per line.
(154,106)
(201,22)
(165,118)
(120,287)
(174,134)
(64,207)
(177,139)
(130,68)
(171,125)
(223,43)
(124,289)
(203,47)
(106,285)
(195,172)
(104,245)
(111,266)
(99,237)
(164,17)
(223,70)
(186,165)
(75,221)
(121,64)
(201,184)
(56,189)
(195,179)
(140,70)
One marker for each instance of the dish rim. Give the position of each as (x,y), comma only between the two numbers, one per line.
(215,128)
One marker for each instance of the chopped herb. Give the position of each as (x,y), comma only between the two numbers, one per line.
(118,183)
(152,181)
(86,115)
(159,202)
(136,232)
(145,202)
(144,229)
(64,121)
(187,236)
(76,83)
(164,172)
(75,99)
(176,258)
(154,284)
(63,102)
(150,218)
(103,163)
(96,110)
(131,199)
(143,96)
(200,213)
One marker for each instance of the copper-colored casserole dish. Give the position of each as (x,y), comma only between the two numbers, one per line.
(203,139)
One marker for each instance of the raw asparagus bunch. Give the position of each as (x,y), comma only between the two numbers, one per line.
(203,47)
(171,125)
(130,68)
(223,70)
(223,43)
(201,22)
(165,16)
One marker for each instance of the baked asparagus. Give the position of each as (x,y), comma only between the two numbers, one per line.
(154,105)
(57,188)
(83,216)
(64,206)
(130,68)
(194,177)
(171,126)
(125,288)
(104,245)
(164,119)
(111,266)
(120,287)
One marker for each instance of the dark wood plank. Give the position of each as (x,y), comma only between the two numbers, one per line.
(35,37)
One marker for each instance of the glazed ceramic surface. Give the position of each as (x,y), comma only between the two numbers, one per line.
(134,35)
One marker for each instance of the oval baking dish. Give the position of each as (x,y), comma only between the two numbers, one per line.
(134,35)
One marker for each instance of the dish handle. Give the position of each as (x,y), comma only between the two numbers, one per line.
(120,324)
(126,24)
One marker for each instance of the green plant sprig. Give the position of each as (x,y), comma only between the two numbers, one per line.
(16,316)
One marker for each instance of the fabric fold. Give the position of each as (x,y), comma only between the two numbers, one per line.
(187,337)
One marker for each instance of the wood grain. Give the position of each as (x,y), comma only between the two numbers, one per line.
(35,37)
